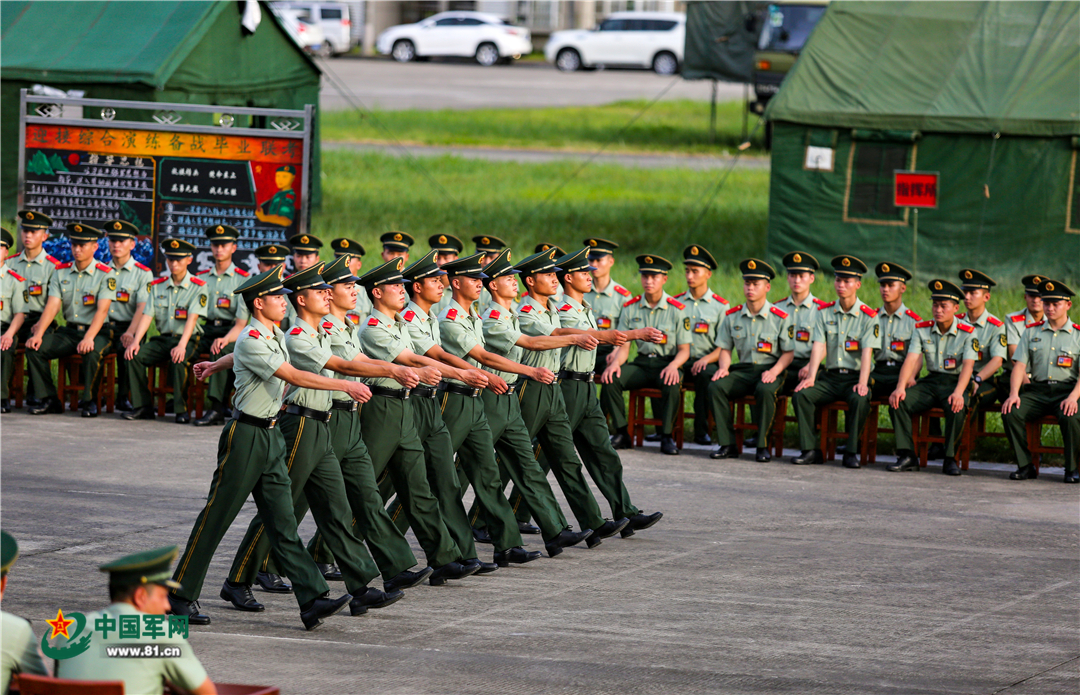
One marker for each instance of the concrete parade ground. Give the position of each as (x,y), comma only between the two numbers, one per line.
(761,578)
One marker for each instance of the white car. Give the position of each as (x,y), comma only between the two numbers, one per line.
(639,39)
(485,37)
(332,17)
(308,35)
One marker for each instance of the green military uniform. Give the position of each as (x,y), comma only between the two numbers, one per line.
(1015,325)
(132,284)
(37,271)
(897,330)
(803,315)
(1052,357)
(80,292)
(606,304)
(845,335)
(283,203)
(171,304)
(12,302)
(353,249)
(222,312)
(18,643)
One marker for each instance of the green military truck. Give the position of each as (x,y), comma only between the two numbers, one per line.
(785,28)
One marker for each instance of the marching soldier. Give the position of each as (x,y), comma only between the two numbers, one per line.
(846,333)
(447,247)
(989,331)
(897,330)
(490,247)
(396,245)
(270,256)
(764,338)
(606,296)
(178,301)
(12,314)
(305,253)
(704,313)
(226,317)
(657,365)
(37,268)
(947,344)
(81,290)
(559,253)
(355,253)
(131,281)
(18,643)
(1050,350)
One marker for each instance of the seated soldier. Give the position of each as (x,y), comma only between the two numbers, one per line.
(12,314)
(704,313)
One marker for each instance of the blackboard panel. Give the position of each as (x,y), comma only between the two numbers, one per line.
(206,181)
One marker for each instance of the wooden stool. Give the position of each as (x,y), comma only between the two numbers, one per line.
(69,384)
(46,685)
(636,420)
(743,425)
(196,388)
(689,388)
(17,390)
(161,389)
(828,419)
(872,429)
(978,422)
(1034,440)
(923,438)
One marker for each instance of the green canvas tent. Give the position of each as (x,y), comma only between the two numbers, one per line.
(985,94)
(175,52)
(719,43)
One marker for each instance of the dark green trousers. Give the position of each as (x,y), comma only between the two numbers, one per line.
(220,384)
(61,343)
(602,352)
(390,432)
(543,410)
(791,378)
(744,379)
(643,372)
(388,546)
(1037,400)
(702,400)
(884,379)
(251,460)
(21,337)
(517,461)
(932,391)
(117,348)
(593,445)
(316,482)
(154,351)
(832,386)
(7,365)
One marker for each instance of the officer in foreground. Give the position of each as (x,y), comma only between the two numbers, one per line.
(18,643)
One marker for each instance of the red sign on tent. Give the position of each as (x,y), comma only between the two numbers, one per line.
(915,189)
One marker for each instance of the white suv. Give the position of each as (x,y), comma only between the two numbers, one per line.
(484,36)
(639,39)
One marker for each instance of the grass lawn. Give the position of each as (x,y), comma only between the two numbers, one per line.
(680,126)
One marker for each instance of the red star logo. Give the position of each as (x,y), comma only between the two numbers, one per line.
(60,625)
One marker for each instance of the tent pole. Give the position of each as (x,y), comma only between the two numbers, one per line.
(745,110)
(712,115)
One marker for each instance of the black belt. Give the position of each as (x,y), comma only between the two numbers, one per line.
(460,389)
(219,322)
(510,388)
(576,376)
(424,391)
(267,423)
(125,324)
(843,371)
(79,327)
(888,363)
(400,394)
(344,405)
(320,415)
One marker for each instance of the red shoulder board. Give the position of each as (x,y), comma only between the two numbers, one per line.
(784,299)
(924,324)
(140,266)
(719,298)
(452,314)
(327,326)
(254,333)
(200,283)
(872,313)
(1018,318)
(911,314)
(409,315)
(681,294)
(961,315)
(823,305)
(494,314)
(732,310)
(52,260)
(373,321)
(635,300)
(242,273)
(15,275)
(676,303)
(966,327)
(63,266)
(779,312)
(995,321)
(565,307)
(297,330)
(622,290)
(526,309)
(290,195)
(1076,326)
(159,281)
(104,268)
(203,272)
(14,256)
(1036,324)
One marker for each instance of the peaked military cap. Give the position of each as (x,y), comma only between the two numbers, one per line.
(222,234)
(1053,290)
(398,241)
(600,247)
(943,289)
(305,243)
(264,284)
(848,266)
(891,272)
(82,233)
(542,262)
(469,267)
(488,244)
(424,267)
(974,280)
(272,253)
(9,551)
(502,265)
(338,272)
(388,273)
(755,269)
(32,219)
(177,248)
(698,255)
(446,243)
(547,247)
(800,262)
(650,263)
(7,240)
(574,262)
(1031,283)
(287,167)
(347,247)
(147,567)
(309,278)
(118,230)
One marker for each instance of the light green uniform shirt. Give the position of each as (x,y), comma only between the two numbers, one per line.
(81,290)
(500,332)
(944,353)
(423,328)
(1050,355)
(757,338)
(573,314)
(140,676)
(896,333)
(344,343)
(259,352)
(803,317)
(1015,325)
(131,286)
(607,305)
(12,286)
(460,332)
(666,316)
(309,351)
(37,272)
(172,303)
(384,338)
(990,332)
(846,333)
(223,304)
(703,318)
(535,320)
(18,650)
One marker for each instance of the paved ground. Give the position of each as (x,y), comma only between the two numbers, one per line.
(382,83)
(762,578)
